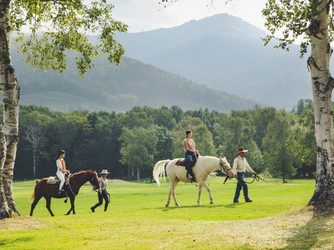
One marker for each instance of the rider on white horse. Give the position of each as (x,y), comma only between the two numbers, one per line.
(189,147)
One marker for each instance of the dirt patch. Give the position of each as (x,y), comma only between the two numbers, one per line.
(22,222)
(283,231)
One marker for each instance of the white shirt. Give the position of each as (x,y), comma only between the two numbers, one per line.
(241,165)
(59,164)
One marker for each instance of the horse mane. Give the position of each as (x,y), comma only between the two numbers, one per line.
(83,171)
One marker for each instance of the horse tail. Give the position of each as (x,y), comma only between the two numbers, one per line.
(33,193)
(159,169)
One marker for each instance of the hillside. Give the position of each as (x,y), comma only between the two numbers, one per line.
(225,53)
(112,88)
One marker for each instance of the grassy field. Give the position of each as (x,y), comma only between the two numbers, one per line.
(137,218)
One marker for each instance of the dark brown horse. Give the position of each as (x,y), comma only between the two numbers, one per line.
(48,191)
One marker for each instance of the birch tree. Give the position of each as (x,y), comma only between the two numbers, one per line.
(34,136)
(55,28)
(311,22)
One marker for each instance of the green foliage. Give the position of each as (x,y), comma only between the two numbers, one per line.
(277,157)
(58,26)
(291,19)
(135,140)
(139,147)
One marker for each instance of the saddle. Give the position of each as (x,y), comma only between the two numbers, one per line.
(181,162)
(52,180)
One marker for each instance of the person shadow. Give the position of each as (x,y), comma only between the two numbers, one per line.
(316,233)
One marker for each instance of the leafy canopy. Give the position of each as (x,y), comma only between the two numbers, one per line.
(56,26)
(295,20)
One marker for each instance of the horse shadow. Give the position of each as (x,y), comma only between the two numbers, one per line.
(166,209)
(311,234)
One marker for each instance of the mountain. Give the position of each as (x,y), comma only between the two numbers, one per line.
(225,53)
(118,88)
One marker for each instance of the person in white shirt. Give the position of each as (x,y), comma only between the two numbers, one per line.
(61,169)
(240,166)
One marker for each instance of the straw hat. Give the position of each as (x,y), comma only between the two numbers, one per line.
(242,150)
(104,171)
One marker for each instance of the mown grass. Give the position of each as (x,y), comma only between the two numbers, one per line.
(137,218)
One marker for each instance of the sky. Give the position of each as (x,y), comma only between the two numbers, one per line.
(143,15)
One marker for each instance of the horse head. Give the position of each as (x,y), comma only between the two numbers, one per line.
(226,167)
(94,180)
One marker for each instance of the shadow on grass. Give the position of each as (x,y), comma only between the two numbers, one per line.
(15,241)
(166,209)
(314,233)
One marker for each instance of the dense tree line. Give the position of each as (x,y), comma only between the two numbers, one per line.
(128,144)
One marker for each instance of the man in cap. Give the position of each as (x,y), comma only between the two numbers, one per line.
(102,193)
(240,166)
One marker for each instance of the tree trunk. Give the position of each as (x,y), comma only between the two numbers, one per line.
(322,85)
(34,163)
(138,175)
(4,210)
(10,103)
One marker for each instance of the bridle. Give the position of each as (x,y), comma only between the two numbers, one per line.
(224,167)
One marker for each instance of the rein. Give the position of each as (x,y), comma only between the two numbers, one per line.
(255,178)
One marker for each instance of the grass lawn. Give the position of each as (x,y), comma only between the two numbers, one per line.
(137,218)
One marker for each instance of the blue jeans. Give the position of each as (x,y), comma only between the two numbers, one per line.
(190,161)
(241,184)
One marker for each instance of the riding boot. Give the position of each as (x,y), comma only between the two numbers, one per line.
(106,206)
(245,189)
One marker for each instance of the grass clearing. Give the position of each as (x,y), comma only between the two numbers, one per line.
(137,219)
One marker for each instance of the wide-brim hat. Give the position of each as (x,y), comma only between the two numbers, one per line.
(242,150)
(104,171)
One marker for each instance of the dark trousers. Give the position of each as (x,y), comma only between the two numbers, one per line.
(190,160)
(241,184)
(104,195)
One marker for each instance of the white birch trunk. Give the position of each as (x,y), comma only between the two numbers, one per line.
(10,103)
(4,210)
(322,85)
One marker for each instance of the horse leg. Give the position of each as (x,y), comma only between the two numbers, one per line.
(33,205)
(200,186)
(72,206)
(169,194)
(205,185)
(173,192)
(48,204)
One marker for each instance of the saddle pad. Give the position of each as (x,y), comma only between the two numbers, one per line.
(180,162)
(52,180)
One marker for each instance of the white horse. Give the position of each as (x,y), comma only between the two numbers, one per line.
(202,169)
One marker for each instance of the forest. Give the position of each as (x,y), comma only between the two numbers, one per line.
(281,143)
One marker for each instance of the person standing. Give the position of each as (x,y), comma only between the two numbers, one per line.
(191,153)
(240,166)
(102,193)
(61,169)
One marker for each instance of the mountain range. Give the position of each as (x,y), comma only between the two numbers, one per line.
(226,53)
(118,88)
(219,63)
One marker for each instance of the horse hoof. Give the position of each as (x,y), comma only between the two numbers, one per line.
(211,202)
(177,204)
(166,205)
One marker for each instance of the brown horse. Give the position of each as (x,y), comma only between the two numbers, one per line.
(48,191)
